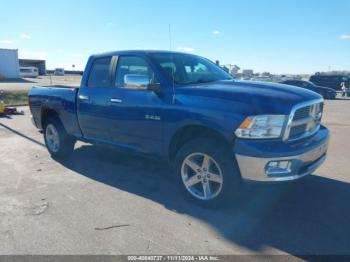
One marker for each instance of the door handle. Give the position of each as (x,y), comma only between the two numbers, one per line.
(82,97)
(116,100)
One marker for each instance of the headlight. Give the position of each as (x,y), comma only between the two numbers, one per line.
(262,127)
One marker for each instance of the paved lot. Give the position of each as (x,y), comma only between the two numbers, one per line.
(27,83)
(50,207)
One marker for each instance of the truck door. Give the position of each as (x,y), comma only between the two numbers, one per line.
(93,100)
(135,112)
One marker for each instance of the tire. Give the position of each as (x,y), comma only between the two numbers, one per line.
(224,179)
(57,141)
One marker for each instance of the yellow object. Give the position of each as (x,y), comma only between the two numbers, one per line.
(246,123)
(2,107)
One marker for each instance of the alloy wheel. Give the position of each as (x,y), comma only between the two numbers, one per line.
(202,176)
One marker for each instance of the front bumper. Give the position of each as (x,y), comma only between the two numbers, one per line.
(297,159)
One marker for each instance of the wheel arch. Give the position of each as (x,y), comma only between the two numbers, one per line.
(47,113)
(189,132)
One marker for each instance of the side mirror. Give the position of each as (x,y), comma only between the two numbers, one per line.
(156,88)
(136,81)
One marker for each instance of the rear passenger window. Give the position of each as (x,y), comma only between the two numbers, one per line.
(100,73)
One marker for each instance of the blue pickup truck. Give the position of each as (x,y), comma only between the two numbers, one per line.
(214,130)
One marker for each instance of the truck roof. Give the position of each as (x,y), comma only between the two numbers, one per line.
(130,52)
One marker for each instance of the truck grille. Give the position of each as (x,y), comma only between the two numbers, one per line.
(305,121)
(301,113)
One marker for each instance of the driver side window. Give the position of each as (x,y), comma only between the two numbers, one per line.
(135,66)
(196,71)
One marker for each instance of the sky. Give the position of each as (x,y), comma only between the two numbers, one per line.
(279,36)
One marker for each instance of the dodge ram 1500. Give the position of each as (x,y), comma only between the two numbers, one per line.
(182,108)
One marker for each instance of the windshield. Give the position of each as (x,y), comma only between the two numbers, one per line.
(189,69)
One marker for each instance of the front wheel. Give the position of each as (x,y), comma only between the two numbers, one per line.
(206,172)
(58,142)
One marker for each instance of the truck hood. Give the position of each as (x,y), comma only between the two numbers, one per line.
(254,97)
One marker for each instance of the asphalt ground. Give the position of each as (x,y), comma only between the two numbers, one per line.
(100,201)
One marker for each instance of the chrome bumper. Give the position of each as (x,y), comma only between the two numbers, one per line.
(256,169)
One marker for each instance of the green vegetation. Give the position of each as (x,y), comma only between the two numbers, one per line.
(14,97)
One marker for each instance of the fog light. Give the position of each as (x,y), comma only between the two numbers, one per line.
(278,168)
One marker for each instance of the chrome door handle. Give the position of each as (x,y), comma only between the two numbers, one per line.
(116,100)
(82,97)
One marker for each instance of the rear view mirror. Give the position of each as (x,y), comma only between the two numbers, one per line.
(136,81)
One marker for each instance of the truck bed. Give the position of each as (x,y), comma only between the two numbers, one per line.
(58,86)
(58,98)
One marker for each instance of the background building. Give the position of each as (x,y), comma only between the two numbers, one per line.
(9,65)
(40,64)
(234,70)
(248,72)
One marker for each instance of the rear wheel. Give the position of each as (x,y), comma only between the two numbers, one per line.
(57,141)
(206,172)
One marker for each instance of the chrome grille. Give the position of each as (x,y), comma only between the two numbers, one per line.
(302,113)
(304,120)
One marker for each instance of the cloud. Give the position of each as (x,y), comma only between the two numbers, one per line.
(6,42)
(185,49)
(216,32)
(345,37)
(25,36)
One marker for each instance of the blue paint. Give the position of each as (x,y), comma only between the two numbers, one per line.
(147,121)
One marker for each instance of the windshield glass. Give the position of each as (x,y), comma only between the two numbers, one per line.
(189,69)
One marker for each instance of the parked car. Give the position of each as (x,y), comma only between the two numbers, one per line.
(327,93)
(215,131)
(29,71)
(59,72)
(332,81)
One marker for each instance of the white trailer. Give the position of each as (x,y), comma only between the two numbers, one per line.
(29,71)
